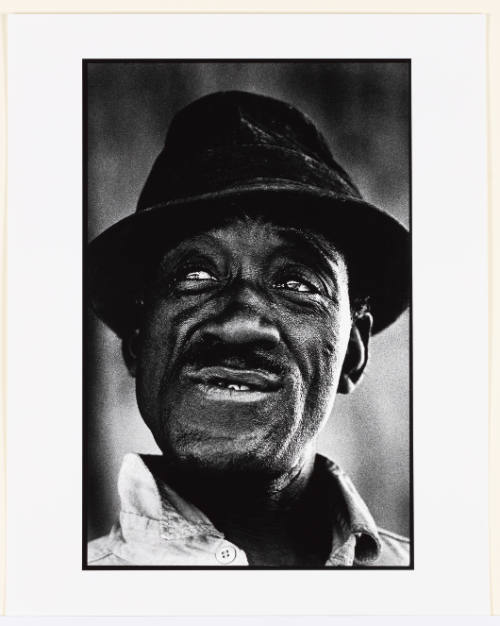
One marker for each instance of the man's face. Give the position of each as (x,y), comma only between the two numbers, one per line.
(245,331)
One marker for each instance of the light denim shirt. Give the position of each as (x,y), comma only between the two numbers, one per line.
(157,527)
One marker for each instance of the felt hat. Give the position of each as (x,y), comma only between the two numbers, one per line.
(237,153)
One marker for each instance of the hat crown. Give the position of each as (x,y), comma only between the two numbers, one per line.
(234,138)
(234,118)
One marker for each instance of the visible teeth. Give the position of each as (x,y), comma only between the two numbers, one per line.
(233,386)
(238,387)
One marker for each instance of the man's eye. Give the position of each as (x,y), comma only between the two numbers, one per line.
(197,275)
(296,285)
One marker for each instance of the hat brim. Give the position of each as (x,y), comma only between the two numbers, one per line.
(376,246)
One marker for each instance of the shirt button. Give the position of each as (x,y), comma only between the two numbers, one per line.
(225,553)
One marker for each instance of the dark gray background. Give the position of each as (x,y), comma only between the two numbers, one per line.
(363,110)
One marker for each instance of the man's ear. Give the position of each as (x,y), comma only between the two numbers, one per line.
(130,346)
(356,356)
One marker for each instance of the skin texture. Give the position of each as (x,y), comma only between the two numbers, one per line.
(246,338)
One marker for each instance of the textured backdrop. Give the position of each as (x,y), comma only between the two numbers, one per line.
(363,110)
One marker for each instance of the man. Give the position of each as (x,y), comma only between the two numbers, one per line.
(245,289)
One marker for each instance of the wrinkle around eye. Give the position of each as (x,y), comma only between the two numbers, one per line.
(314,298)
(195,281)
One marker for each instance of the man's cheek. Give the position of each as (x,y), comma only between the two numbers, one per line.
(323,363)
(320,347)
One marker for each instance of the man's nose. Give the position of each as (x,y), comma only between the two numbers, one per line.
(246,318)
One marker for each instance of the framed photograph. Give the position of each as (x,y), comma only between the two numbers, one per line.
(248,296)
(318,146)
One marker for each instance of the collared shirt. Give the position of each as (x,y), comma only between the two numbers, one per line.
(160,528)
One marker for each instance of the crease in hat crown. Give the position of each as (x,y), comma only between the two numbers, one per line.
(235,148)
(233,138)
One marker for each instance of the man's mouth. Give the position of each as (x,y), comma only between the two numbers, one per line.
(235,380)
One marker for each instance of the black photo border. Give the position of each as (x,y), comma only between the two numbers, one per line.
(85,330)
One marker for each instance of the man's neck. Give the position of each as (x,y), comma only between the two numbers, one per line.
(275,521)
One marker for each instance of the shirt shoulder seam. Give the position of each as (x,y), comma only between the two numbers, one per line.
(391,535)
(100,557)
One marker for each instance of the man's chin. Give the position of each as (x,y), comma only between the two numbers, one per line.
(208,459)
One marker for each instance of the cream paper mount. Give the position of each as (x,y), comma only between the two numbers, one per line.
(451,435)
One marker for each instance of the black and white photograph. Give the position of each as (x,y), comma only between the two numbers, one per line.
(247,344)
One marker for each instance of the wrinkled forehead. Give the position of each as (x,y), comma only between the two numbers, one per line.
(250,234)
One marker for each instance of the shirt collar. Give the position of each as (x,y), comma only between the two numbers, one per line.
(354,520)
(151,510)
